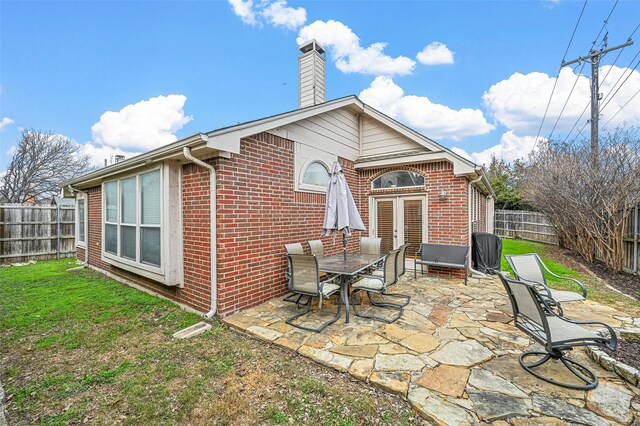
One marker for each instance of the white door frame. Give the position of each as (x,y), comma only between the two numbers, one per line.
(398,210)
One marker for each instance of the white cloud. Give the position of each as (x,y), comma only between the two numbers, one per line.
(435,120)
(142,126)
(279,14)
(349,55)
(99,153)
(6,121)
(519,102)
(435,53)
(510,148)
(136,128)
(244,10)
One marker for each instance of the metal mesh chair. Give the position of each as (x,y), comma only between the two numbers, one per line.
(305,281)
(370,245)
(533,315)
(293,248)
(529,267)
(317,248)
(379,284)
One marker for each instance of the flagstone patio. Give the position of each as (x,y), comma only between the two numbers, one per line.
(454,356)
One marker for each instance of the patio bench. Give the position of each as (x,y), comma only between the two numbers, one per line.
(442,255)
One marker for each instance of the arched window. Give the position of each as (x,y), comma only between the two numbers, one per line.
(398,179)
(316,174)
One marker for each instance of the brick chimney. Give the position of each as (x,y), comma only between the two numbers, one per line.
(311,74)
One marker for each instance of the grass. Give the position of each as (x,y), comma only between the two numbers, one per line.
(79,347)
(596,291)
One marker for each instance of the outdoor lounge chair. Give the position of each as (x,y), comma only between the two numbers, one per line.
(529,267)
(379,284)
(305,281)
(533,315)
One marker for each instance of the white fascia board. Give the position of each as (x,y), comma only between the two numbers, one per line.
(229,139)
(460,168)
(411,134)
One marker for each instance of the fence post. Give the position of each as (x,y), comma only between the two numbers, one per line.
(636,225)
(57,231)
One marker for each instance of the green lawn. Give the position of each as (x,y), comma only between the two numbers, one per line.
(596,291)
(78,347)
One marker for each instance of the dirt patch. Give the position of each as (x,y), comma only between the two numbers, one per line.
(626,283)
(627,352)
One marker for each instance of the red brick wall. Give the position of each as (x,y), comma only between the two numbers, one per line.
(259,212)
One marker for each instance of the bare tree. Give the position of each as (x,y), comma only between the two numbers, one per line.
(41,162)
(588,205)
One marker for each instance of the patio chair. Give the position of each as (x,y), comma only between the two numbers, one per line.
(305,281)
(379,284)
(533,315)
(317,248)
(400,271)
(370,245)
(529,267)
(293,248)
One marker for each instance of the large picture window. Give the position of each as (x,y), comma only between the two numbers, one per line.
(132,219)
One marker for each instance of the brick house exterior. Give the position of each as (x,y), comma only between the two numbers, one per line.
(260,203)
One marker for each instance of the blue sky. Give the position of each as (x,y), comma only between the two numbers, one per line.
(128,76)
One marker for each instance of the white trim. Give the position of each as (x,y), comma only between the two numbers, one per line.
(85,199)
(398,211)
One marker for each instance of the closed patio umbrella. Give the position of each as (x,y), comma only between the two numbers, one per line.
(341,213)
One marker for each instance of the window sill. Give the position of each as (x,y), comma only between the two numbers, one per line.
(151,272)
(81,245)
(316,189)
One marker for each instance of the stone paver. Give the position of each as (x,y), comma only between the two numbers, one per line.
(445,379)
(454,356)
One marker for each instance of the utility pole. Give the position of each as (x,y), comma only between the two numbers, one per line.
(594,58)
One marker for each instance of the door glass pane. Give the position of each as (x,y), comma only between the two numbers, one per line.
(128,242)
(384,211)
(111,190)
(150,246)
(150,183)
(81,220)
(413,225)
(111,239)
(128,200)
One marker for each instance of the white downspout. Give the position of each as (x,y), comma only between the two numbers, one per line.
(86,234)
(214,239)
(473,271)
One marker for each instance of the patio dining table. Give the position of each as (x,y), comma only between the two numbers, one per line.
(347,269)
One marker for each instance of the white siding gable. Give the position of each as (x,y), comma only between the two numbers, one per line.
(380,139)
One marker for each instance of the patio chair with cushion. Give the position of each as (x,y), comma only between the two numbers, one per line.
(305,281)
(533,315)
(529,267)
(380,284)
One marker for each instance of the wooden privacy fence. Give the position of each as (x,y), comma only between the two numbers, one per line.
(36,232)
(524,224)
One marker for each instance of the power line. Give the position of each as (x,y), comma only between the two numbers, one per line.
(567,101)
(604,24)
(611,94)
(555,83)
(574,30)
(603,80)
(621,108)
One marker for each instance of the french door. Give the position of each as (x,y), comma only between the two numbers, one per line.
(400,220)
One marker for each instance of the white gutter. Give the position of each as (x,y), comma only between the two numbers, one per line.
(214,262)
(86,234)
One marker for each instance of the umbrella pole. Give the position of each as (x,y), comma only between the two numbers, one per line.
(344,246)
